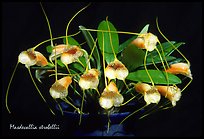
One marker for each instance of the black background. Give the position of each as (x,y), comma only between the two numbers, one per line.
(24,25)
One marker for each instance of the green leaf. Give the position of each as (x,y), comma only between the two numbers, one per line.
(91,43)
(126,43)
(77,66)
(71,41)
(132,57)
(49,49)
(158,77)
(106,44)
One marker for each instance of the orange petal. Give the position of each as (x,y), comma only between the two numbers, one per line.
(111,87)
(41,60)
(142,87)
(65,81)
(139,42)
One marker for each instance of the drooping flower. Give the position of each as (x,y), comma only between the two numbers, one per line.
(71,55)
(110,97)
(180,68)
(59,88)
(89,80)
(172,93)
(57,51)
(116,69)
(31,57)
(146,41)
(151,94)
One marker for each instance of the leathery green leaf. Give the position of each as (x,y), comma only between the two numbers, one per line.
(158,77)
(108,41)
(132,57)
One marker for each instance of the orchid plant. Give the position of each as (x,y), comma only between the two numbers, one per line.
(103,76)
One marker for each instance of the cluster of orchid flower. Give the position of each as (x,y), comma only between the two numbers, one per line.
(116,75)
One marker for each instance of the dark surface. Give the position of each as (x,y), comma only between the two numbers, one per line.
(24,25)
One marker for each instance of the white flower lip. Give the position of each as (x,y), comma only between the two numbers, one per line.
(89,80)
(152,96)
(111,97)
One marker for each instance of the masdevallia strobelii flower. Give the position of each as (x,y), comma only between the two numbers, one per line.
(92,70)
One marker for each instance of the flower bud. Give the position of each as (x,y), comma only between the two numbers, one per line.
(180,68)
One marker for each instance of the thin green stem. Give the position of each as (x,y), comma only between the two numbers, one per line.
(67,101)
(163,66)
(128,101)
(146,68)
(91,54)
(170,42)
(60,37)
(103,54)
(55,67)
(163,54)
(71,21)
(187,85)
(7,91)
(119,32)
(48,23)
(82,104)
(132,113)
(110,38)
(39,90)
(59,107)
